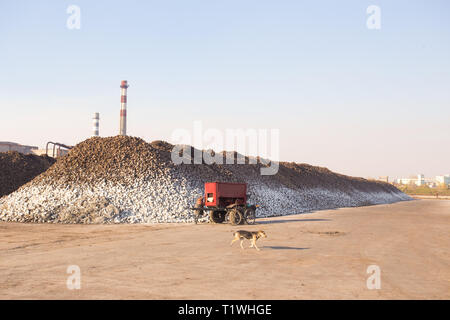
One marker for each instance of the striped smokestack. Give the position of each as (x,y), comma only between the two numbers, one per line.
(96,120)
(123,108)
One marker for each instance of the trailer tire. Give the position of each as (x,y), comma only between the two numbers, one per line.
(236,217)
(217,216)
(250,215)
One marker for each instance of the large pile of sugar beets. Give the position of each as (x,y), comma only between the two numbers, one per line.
(16,169)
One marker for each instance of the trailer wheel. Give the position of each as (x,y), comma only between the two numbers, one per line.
(216,216)
(250,216)
(236,217)
(227,217)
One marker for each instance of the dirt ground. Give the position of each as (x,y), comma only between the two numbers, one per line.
(320,255)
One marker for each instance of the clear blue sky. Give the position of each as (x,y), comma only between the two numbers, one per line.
(359,101)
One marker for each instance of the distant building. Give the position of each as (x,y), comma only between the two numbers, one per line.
(443,180)
(384,179)
(6,146)
(406,181)
(419,181)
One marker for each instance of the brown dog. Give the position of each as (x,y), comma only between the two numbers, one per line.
(250,235)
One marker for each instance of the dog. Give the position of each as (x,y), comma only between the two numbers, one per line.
(250,235)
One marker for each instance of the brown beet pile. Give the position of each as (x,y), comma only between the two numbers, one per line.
(123,159)
(120,159)
(17,169)
(304,176)
(124,179)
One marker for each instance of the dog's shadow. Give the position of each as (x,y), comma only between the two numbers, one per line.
(290,220)
(284,248)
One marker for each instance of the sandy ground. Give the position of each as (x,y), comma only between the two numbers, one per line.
(319,255)
(417,196)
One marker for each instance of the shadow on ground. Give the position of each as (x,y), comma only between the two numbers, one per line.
(284,248)
(290,220)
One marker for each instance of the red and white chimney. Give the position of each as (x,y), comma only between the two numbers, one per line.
(123,108)
(96,120)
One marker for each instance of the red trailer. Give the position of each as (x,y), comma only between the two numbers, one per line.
(226,201)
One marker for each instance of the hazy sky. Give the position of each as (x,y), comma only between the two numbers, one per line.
(358,101)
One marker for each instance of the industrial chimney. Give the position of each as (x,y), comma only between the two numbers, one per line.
(96,120)
(123,108)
